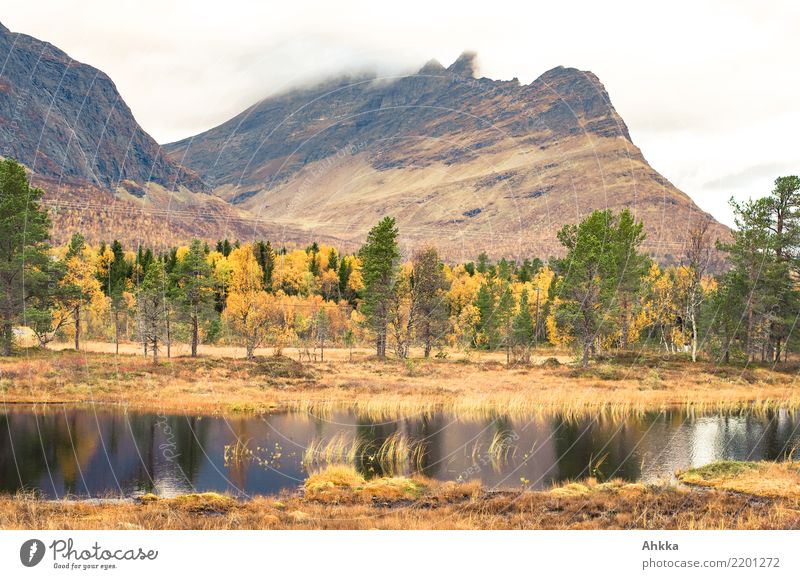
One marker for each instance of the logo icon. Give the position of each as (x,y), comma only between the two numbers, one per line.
(31,553)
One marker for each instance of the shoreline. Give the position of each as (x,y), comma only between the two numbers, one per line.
(722,495)
(383,389)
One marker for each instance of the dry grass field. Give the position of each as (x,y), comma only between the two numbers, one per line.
(463,383)
(339,498)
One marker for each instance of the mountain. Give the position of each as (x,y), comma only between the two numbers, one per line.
(472,164)
(101,172)
(66,120)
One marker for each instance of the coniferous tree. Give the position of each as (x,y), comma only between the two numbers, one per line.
(524,330)
(591,274)
(265,256)
(630,267)
(151,304)
(27,275)
(194,291)
(345,269)
(429,288)
(485,331)
(380,256)
(504,321)
(333,260)
(115,286)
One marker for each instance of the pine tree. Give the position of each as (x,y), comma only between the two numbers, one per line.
(151,303)
(194,291)
(630,266)
(597,265)
(524,330)
(380,256)
(485,330)
(26,271)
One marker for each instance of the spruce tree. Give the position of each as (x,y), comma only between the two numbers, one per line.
(429,300)
(118,274)
(485,332)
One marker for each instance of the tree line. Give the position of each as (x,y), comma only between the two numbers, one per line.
(603,295)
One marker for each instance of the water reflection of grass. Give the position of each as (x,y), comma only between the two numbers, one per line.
(396,454)
(240,455)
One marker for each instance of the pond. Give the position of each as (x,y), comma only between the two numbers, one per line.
(107,451)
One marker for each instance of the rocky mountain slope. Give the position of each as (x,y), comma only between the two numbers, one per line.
(470,163)
(101,172)
(66,120)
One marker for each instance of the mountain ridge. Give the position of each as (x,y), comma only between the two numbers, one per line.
(500,157)
(471,164)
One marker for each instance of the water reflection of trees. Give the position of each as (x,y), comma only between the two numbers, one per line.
(599,446)
(48,451)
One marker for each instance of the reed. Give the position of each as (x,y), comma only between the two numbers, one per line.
(238,454)
(397,454)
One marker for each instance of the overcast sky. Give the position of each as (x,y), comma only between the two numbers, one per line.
(710,91)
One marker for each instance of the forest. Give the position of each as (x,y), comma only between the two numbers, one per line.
(602,295)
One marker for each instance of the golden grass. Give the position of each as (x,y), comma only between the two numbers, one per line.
(338,497)
(343,483)
(397,454)
(762,479)
(480,388)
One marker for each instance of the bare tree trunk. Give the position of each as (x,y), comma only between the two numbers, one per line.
(624,322)
(694,336)
(195,335)
(169,338)
(8,337)
(116,330)
(77,326)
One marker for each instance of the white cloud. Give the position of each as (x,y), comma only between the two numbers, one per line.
(709,89)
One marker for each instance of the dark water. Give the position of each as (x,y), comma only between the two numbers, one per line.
(101,451)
